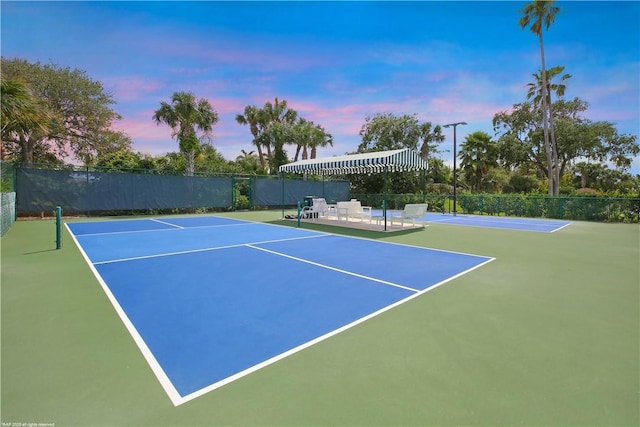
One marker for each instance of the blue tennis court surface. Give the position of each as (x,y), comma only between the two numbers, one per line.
(504,222)
(490,221)
(211,299)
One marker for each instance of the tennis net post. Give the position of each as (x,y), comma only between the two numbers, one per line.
(58,227)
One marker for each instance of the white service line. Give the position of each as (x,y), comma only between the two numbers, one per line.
(165,223)
(214,248)
(373,279)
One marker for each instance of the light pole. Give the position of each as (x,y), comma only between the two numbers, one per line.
(455,176)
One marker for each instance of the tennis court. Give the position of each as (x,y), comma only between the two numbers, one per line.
(202,319)
(502,222)
(485,221)
(546,334)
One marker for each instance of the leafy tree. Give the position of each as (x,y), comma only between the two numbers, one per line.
(186,115)
(74,113)
(387,131)
(171,162)
(21,112)
(600,177)
(437,171)
(249,162)
(578,138)
(478,155)
(107,141)
(210,161)
(536,15)
(123,159)
(521,184)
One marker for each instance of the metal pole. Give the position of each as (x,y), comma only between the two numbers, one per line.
(384,199)
(282,179)
(455,175)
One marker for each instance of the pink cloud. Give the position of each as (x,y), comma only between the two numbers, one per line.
(131,87)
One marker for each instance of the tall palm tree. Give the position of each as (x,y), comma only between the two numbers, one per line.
(186,115)
(536,15)
(535,93)
(535,88)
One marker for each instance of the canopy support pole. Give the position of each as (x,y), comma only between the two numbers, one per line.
(384,199)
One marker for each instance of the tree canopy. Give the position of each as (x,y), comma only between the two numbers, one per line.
(72,111)
(578,138)
(386,131)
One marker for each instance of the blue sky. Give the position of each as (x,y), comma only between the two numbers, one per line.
(334,62)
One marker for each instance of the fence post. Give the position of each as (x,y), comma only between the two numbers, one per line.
(58,227)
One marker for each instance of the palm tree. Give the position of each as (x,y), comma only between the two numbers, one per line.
(252,117)
(248,161)
(270,127)
(278,119)
(185,115)
(309,136)
(21,114)
(478,154)
(430,139)
(535,93)
(537,14)
(321,139)
(535,88)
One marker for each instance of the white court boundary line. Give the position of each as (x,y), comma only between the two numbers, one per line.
(321,338)
(162,377)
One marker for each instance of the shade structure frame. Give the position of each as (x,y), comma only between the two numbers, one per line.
(403,160)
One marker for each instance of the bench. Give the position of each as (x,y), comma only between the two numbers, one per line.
(352,209)
(412,212)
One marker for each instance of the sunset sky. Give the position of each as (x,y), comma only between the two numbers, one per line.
(334,62)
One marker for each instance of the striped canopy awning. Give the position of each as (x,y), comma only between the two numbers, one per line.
(404,160)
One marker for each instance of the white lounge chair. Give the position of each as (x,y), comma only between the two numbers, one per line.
(411,212)
(318,208)
(353,209)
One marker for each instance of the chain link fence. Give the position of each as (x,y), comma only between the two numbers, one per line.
(91,191)
(7,196)
(605,209)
